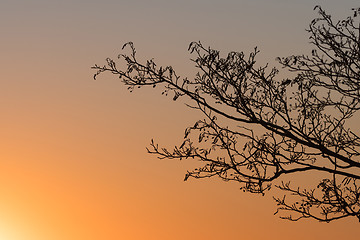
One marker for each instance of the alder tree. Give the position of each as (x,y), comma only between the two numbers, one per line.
(259,129)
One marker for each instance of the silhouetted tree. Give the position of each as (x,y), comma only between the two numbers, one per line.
(259,128)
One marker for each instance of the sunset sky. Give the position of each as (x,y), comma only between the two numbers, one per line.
(73,161)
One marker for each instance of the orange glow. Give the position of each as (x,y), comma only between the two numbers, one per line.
(73,163)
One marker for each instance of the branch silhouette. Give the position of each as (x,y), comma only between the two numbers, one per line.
(259,128)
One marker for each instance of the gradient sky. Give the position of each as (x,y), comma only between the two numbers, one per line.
(73,163)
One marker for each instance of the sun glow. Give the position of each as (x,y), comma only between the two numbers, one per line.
(8,232)
(12,227)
